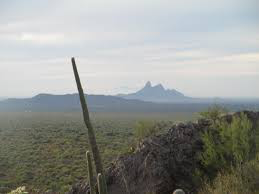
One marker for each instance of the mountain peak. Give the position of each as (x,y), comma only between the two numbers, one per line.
(156,93)
(159,86)
(148,85)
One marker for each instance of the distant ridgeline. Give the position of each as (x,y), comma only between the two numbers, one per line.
(102,103)
(157,94)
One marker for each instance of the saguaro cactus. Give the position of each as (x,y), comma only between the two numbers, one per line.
(91,134)
(101,184)
(90,173)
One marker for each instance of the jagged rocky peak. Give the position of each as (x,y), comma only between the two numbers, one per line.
(156,93)
(159,86)
(148,85)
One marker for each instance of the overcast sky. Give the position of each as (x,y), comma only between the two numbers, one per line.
(199,47)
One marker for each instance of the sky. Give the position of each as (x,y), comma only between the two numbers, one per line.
(202,48)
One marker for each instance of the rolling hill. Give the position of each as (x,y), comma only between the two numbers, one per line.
(103,103)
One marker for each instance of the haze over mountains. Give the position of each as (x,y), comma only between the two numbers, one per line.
(148,99)
(2,98)
(159,94)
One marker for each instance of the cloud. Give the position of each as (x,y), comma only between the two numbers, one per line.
(183,44)
(42,38)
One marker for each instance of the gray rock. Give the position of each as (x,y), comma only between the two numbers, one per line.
(160,164)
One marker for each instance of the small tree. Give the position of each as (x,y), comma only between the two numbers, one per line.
(227,144)
(214,112)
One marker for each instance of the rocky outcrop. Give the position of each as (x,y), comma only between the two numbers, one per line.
(161,163)
(157,93)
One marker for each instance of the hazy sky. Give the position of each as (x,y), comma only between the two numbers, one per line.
(199,47)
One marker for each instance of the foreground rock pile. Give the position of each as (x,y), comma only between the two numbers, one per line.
(161,163)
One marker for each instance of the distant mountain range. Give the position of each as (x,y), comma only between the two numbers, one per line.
(2,98)
(148,99)
(157,93)
(96,103)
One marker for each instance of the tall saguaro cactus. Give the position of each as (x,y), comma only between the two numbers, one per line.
(91,134)
(90,173)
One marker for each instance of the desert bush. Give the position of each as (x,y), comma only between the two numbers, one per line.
(214,113)
(145,129)
(227,144)
(241,179)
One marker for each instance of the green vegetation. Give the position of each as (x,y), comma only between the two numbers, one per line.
(239,180)
(229,156)
(46,151)
(227,144)
(147,128)
(144,129)
(214,112)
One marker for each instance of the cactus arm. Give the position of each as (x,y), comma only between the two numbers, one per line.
(90,173)
(101,184)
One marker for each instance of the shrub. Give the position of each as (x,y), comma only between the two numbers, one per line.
(144,129)
(214,113)
(227,144)
(241,179)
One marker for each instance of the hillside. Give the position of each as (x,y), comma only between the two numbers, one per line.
(164,162)
(66,102)
(103,103)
